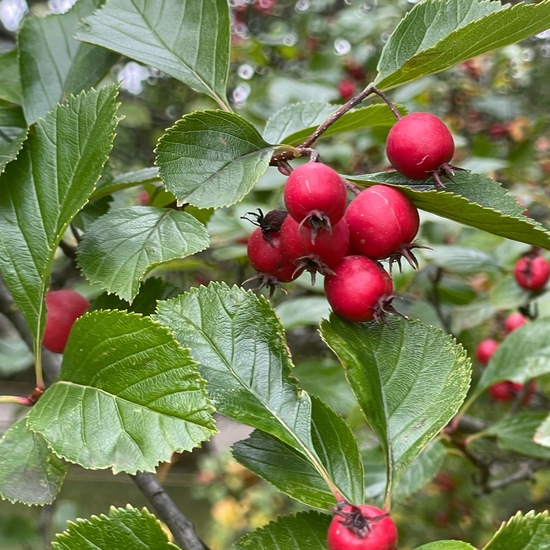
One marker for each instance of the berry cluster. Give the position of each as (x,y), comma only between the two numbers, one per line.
(505,390)
(321,233)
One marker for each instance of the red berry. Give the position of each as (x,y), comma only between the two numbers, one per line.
(361,528)
(266,256)
(322,254)
(64,307)
(356,289)
(381,221)
(532,273)
(485,350)
(507,391)
(514,321)
(346,89)
(419,144)
(315,193)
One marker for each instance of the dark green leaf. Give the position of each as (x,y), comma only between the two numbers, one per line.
(124,528)
(29,472)
(10,81)
(13,131)
(436,34)
(523,532)
(240,344)
(522,355)
(126,180)
(185,39)
(409,379)
(446,545)
(515,433)
(472,199)
(211,158)
(306,531)
(41,195)
(53,64)
(127,397)
(120,248)
(295,123)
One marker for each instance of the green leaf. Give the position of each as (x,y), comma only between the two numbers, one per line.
(473,199)
(240,344)
(516,433)
(121,247)
(53,64)
(122,528)
(211,158)
(290,471)
(463,260)
(283,467)
(127,397)
(41,195)
(10,81)
(293,124)
(542,435)
(13,132)
(446,545)
(305,530)
(29,472)
(126,180)
(437,34)
(304,310)
(185,39)
(409,379)
(523,532)
(522,355)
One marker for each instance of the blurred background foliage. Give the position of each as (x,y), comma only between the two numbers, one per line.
(287,51)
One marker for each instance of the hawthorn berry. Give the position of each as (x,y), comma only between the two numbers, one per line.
(420,145)
(315,195)
(359,289)
(266,257)
(361,528)
(64,307)
(321,254)
(532,272)
(514,321)
(485,350)
(346,89)
(507,391)
(382,222)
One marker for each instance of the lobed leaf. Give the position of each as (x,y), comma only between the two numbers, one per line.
(522,355)
(472,199)
(240,345)
(185,39)
(121,247)
(437,34)
(409,380)
(522,532)
(305,530)
(53,64)
(29,472)
(122,528)
(128,396)
(211,158)
(41,193)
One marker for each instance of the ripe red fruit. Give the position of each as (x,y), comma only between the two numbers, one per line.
(382,221)
(322,254)
(267,258)
(64,307)
(485,350)
(359,289)
(315,195)
(361,528)
(419,145)
(532,272)
(507,391)
(346,89)
(514,321)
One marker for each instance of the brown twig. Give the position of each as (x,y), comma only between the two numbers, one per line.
(179,525)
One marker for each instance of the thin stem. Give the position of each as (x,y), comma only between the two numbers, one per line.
(383,96)
(179,525)
(322,128)
(15,399)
